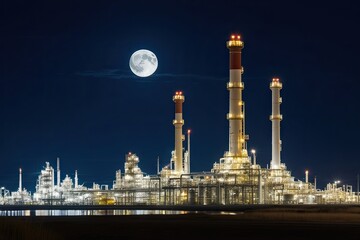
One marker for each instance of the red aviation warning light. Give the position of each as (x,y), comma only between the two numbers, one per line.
(276,80)
(235,41)
(178,97)
(275,83)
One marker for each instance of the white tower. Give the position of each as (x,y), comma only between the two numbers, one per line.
(58,172)
(20,179)
(187,154)
(178,122)
(237,137)
(76,180)
(275,118)
(188,151)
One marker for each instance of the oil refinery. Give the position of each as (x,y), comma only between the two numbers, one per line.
(236,178)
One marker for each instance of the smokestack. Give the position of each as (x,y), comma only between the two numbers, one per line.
(178,98)
(158,165)
(20,179)
(76,180)
(58,172)
(275,118)
(236,105)
(306,176)
(253,151)
(188,148)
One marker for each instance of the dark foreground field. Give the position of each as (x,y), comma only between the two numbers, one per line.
(266,224)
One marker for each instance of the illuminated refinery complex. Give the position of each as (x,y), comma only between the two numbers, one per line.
(235,179)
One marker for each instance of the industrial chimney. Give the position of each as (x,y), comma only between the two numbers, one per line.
(275,118)
(178,122)
(235,86)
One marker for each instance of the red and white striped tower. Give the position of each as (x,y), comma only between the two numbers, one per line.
(235,86)
(178,122)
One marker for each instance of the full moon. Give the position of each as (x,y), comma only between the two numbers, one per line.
(143,63)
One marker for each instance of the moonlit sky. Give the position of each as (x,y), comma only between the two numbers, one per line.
(66,89)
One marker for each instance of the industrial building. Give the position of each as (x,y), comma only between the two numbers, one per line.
(236,178)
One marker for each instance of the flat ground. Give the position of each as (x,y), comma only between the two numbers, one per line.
(255,224)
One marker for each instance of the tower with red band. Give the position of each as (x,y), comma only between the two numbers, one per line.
(178,122)
(237,137)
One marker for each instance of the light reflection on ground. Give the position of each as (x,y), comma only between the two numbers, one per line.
(89,212)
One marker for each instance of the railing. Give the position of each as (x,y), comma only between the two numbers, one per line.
(235,85)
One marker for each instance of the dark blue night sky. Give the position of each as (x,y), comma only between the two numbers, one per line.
(66,89)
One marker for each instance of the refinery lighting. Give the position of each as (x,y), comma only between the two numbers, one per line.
(234,179)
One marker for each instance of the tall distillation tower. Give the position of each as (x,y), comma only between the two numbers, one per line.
(275,118)
(237,137)
(178,122)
